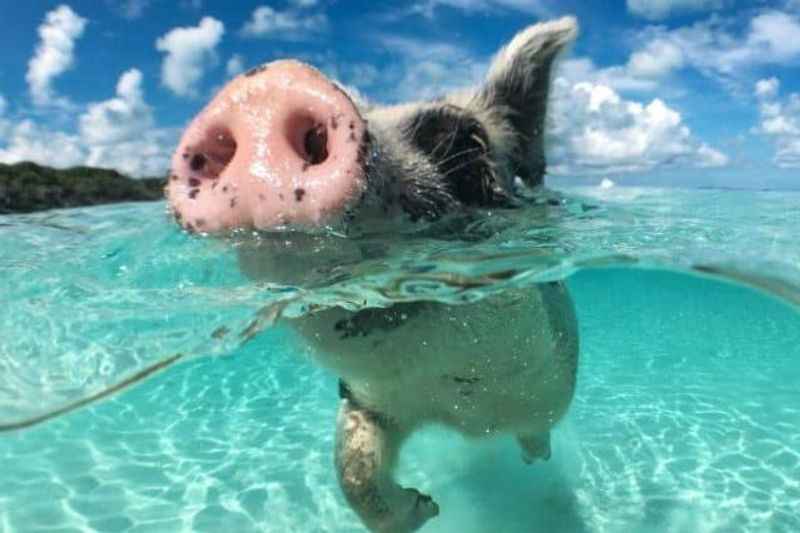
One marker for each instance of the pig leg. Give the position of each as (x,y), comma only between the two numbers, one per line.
(366,449)
(535,446)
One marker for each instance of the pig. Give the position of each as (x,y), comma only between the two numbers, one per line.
(282,148)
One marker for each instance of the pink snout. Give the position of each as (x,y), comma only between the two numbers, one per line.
(279,145)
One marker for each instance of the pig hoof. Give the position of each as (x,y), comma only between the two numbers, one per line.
(421,509)
(535,447)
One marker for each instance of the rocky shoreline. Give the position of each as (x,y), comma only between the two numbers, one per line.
(27,187)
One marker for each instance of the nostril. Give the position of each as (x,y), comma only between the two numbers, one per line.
(308,137)
(316,144)
(212,154)
(198,162)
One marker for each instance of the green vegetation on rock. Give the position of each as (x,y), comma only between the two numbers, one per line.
(27,187)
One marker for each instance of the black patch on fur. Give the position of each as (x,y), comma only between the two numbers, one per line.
(457,143)
(364,322)
(426,199)
(344,390)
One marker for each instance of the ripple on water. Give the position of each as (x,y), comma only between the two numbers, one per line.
(686,417)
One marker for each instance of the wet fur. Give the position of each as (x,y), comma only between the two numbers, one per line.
(506,364)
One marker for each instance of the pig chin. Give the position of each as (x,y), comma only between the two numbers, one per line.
(279,146)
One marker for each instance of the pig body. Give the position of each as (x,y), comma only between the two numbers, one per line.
(284,148)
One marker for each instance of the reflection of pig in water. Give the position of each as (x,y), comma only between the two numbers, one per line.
(283,146)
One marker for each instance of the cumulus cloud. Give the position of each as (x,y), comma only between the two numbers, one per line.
(660,9)
(190,51)
(291,24)
(779,120)
(120,118)
(54,53)
(427,69)
(120,132)
(592,127)
(644,71)
(235,65)
(658,58)
(595,130)
(771,37)
(3,105)
(116,133)
(27,141)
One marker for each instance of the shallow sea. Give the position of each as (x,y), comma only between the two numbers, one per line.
(686,417)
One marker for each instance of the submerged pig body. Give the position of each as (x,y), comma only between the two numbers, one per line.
(282,147)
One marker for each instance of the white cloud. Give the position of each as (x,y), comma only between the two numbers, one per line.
(658,58)
(644,71)
(54,53)
(117,133)
(132,9)
(659,9)
(362,74)
(592,128)
(532,7)
(595,130)
(235,65)
(145,155)
(428,69)
(190,50)
(3,105)
(120,132)
(779,120)
(767,88)
(711,47)
(28,141)
(289,25)
(304,4)
(120,118)
(771,37)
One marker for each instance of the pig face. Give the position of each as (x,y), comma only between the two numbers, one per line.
(281,146)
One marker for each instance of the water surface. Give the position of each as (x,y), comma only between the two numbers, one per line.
(686,418)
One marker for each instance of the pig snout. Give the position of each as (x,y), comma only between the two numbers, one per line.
(279,145)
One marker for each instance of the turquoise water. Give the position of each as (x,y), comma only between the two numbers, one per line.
(686,418)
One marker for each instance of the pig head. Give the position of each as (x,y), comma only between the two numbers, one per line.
(282,146)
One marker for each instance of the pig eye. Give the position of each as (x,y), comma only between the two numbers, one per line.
(457,143)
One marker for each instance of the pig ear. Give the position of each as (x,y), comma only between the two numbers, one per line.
(517,88)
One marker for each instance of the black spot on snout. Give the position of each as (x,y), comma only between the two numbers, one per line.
(298,194)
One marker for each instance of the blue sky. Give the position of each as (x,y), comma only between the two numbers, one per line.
(684,92)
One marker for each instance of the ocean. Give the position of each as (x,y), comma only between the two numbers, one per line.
(686,416)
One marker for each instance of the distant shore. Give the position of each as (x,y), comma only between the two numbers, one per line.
(27,187)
